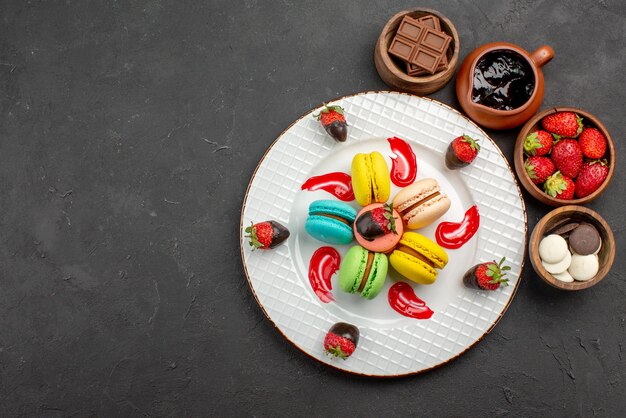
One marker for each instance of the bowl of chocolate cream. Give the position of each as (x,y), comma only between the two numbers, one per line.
(500,85)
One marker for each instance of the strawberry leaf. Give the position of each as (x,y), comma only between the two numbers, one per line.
(473,143)
(530,169)
(336,352)
(531,143)
(254,241)
(579,121)
(389,216)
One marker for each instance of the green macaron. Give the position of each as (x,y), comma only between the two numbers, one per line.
(363,272)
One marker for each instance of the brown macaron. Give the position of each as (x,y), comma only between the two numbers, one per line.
(421,203)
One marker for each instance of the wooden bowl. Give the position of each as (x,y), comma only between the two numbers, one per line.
(575,213)
(518,157)
(391,70)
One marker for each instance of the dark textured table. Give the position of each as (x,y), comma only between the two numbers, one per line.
(128,134)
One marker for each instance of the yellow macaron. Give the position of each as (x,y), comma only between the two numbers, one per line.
(417,258)
(370,178)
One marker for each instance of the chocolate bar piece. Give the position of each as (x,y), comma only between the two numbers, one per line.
(419,45)
(402,48)
(410,29)
(435,40)
(431,21)
(426,59)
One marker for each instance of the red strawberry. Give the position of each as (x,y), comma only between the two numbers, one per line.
(591,176)
(487,276)
(376,222)
(461,152)
(593,143)
(334,122)
(567,156)
(559,186)
(266,235)
(539,168)
(538,143)
(341,340)
(563,124)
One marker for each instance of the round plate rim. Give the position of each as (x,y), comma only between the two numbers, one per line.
(487,331)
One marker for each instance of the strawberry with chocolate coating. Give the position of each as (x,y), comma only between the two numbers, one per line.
(563,124)
(376,222)
(567,157)
(539,168)
(334,122)
(487,276)
(538,143)
(559,186)
(341,340)
(266,235)
(593,143)
(461,152)
(591,176)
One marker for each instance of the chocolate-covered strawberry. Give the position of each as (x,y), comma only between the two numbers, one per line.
(461,152)
(376,222)
(341,340)
(538,143)
(266,235)
(334,122)
(487,276)
(591,176)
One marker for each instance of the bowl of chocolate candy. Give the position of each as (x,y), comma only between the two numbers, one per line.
(500,85)
(572,248)
(417,51)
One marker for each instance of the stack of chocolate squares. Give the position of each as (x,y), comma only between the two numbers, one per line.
(421,44)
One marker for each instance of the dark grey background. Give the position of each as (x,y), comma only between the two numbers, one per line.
(128,134)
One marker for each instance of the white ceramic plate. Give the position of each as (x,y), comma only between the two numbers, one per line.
(390,343)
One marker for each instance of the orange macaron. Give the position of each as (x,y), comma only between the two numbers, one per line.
(421,203)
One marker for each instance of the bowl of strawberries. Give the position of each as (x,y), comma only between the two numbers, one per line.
(564,156)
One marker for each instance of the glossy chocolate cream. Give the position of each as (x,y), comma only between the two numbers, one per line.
(503,80)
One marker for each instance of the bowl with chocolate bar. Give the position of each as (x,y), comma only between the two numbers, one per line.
(572,248)
(564,156)
(500,85)
(417,51)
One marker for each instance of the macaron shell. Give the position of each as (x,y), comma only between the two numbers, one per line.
(328,230)
(352,269)
(380,177)
(412,268)
(426,247)
(384,243)
(333,207)
(584,267)
(559,267)
(427,213)
(377,276)
(415,192)
(552,248)
(362,179)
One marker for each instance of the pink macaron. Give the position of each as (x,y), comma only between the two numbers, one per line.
(378,227)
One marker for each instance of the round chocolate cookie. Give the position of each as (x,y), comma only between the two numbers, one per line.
(585,239)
